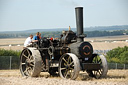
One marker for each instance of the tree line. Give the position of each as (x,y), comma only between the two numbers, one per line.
(106,33)
(58,33)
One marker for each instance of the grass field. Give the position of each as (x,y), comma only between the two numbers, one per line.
(13,77)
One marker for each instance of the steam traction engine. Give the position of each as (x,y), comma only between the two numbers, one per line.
(66,55)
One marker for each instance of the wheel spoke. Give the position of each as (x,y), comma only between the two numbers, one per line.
(66,74)
(99,72)
(96,60)
(71,68)
(96,73)
(63,68)
(23,63)
(69,59)
(71,63)
(70,73)
(28,53)
(65,61)
(99,61)
(31,64)
(32,61)
(93,72)
(31,57)
(25,56)
(30,71)
(26,72)
(65,64)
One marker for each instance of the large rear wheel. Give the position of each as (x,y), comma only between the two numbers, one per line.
(30,62)
(69,66)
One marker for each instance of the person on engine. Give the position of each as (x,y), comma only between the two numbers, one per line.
(36,38)
(28,41)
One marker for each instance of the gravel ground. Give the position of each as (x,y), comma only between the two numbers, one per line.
(13,77)
(54,81)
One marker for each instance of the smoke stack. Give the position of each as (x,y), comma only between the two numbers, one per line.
(79,23)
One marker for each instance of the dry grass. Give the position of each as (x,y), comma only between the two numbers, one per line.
(114,77)
(108,38)
(4,43)
(112,74)
(8,41)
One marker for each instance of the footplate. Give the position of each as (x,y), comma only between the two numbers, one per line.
(90,66)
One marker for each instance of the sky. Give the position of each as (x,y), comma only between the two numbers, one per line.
(17,15)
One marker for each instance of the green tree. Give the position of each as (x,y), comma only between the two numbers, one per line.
(123,57)
(118,55)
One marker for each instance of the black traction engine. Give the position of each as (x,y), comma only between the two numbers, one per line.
(67,55)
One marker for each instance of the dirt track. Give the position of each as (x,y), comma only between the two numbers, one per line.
(13,77)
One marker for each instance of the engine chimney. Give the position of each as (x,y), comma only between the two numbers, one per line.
(79,23)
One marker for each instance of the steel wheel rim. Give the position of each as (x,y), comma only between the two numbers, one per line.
(98,73)
(27,63)
(67,67)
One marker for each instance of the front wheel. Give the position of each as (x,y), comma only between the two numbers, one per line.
(69,66)
(102,72)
